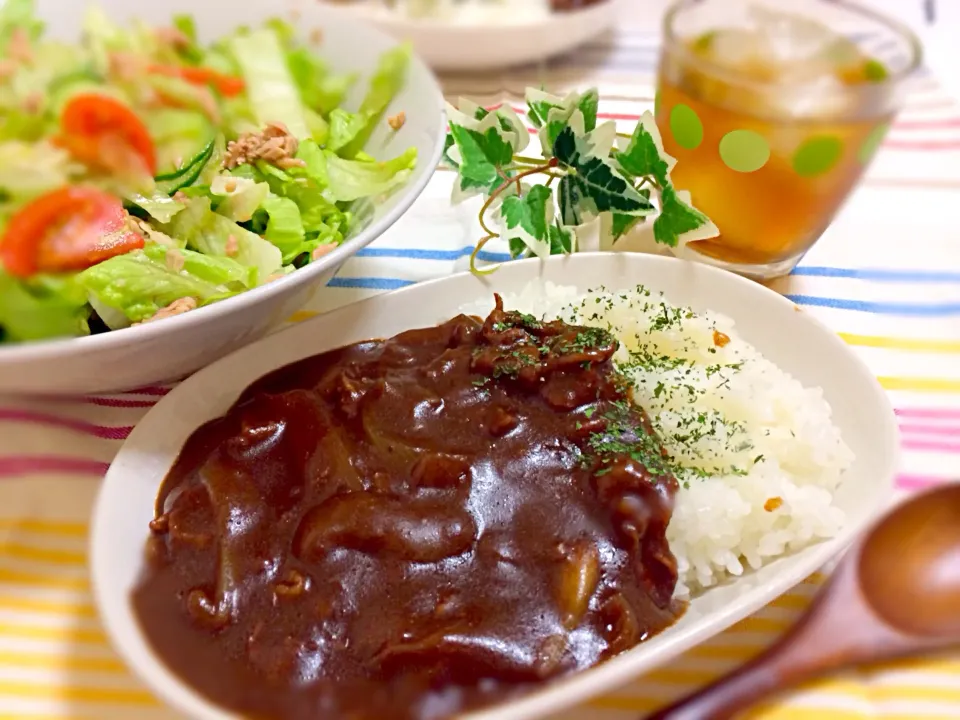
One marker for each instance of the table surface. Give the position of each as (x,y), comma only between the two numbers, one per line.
(885,276)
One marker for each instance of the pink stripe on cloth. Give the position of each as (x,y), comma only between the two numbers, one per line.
(81,426)
(920,482)
(106,401)
(17,465)
(915,125)
(922,145)
(931,446)
(152,390)
(930,430)
(929,413)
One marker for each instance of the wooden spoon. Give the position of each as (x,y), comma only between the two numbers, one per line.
(895,593)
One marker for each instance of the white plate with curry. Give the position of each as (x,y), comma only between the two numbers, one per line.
(501,514)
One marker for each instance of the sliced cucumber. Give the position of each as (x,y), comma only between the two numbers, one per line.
(169,183)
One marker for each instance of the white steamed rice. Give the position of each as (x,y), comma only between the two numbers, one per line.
(760,453)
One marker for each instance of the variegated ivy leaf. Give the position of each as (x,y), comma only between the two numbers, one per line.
(563,240)
(620,225)
(677,218)
(571,200)
(551,114)
(644,154)
(679,222)
(540,104)
(609,190)
(566,149)
(599,142)
(527,219)
(483,158)
(447,159)
(512,127)
(473,117)
(594,183)
(589,104)
(557,121)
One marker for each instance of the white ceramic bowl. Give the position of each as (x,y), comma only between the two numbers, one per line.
(792,339)
(494,43)
(170,349)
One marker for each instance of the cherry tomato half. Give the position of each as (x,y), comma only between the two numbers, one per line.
(102,131)
(67,229)
(226,85)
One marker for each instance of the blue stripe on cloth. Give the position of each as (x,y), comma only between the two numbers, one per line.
(370,283)
(429,254)
(917,276)
(879,308)
(865,306)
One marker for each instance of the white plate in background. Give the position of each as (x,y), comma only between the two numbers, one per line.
(491,42)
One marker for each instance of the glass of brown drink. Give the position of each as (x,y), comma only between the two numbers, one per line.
(773,110)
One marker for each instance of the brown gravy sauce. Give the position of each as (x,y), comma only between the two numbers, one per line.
(410,528)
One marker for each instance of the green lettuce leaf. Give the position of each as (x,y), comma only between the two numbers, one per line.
(241,196)
(142,282)
(345,127)
(44,307)
(353,179)
(319,128)
(160,206)
(285,226)
(18,14)
(207,232)
(386,82)
(320,90)
(273,94)
(209,268)
(177,135)
(31,169)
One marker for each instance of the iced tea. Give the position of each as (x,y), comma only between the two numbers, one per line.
(772,123)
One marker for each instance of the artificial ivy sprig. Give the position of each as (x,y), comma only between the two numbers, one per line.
(595,188)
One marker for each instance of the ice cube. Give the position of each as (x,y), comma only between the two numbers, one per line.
(788,38)
(735,48)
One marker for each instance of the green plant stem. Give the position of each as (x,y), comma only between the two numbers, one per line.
(527,160)
(476,251)
(545,168)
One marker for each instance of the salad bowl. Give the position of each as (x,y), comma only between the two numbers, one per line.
(173,347)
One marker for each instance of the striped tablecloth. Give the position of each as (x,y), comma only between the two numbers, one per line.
(886,276)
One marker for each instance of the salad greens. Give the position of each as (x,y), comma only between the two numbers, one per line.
(143,173)
(599,186)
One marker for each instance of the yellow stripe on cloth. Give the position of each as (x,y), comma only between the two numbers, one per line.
(56,582)
(76,693)
(45,527)
(58,663)
(901,343)
(65,635)
(788,712)
(918,384)
(47,607)
(32,553)
(302,315)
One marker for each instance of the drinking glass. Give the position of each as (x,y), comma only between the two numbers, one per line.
(773,110)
